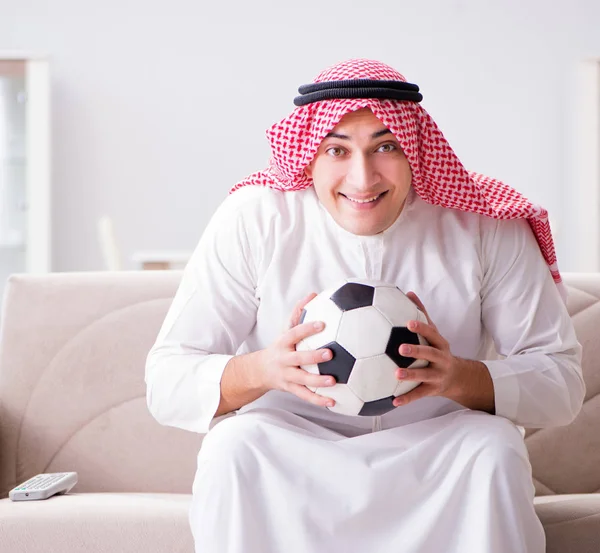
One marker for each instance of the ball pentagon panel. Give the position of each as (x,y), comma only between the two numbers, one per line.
(401,335)
(353,296)
(340,365)
(378,407)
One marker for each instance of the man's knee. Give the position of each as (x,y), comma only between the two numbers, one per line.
(225,438)
(235,438)
(495,439)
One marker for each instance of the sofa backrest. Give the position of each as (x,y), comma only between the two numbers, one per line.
(566,459)
(72,392)
(72,395)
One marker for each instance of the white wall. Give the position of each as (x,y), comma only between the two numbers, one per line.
(159,107)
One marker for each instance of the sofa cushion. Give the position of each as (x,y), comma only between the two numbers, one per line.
(148,523)
(571,522)
(97,523)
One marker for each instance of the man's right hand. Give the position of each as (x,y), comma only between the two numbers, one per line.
(280,362)
(249,376)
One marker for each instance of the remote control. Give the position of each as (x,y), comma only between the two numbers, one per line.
(43,486)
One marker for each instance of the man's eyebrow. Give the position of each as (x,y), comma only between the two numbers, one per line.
(380,133)
(374,136)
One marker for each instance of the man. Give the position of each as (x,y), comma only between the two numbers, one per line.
(363,184)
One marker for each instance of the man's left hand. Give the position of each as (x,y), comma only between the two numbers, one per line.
(464,381)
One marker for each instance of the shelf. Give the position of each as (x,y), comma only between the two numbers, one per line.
(165,259)
(25,229)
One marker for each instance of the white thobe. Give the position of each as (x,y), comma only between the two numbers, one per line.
(429,476)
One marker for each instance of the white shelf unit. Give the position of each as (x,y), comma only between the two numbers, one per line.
(25,225)
(585,184)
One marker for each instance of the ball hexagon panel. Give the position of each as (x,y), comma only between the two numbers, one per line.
(303,345)
(364,332)
(353,296)
(346,401)
(401,335)
(321,309)
(394,305)
(376,408)
(340,365)
(373,378)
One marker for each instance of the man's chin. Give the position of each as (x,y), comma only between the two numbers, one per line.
(362,229)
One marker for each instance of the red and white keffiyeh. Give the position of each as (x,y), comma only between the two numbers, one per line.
(438,176)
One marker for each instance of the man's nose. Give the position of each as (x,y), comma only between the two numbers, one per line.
(361,172)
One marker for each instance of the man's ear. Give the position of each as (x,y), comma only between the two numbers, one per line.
(308,170)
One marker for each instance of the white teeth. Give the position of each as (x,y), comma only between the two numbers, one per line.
(364,201)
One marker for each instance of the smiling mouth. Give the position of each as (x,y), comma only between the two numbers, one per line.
(366,200)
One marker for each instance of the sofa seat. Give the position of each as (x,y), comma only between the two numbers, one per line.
(571,521)
(97,523)
(149,523)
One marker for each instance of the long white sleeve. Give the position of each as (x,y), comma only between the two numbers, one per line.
(213,311)
(539,382)
(264,250)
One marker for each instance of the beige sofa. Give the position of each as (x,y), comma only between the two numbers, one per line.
(72,397)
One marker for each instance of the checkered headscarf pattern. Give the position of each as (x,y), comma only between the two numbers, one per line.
(438,176)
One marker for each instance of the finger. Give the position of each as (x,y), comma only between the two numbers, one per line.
(421,391)
(304,393)
(422,374)
(313,357)
(295,316)
(301,331)
(428,353)
(298,308)
(297,375)
(415,299)
(307,299)
(429,332)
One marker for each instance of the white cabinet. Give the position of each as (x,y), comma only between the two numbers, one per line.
(24,165)
(583,186)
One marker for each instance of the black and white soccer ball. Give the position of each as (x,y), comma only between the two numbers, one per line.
(365,324)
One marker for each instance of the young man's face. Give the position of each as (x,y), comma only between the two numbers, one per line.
(360,174)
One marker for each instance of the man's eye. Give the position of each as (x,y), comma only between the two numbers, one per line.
(335,152)
(387,148)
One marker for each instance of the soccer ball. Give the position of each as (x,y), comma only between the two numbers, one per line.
(365,324)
